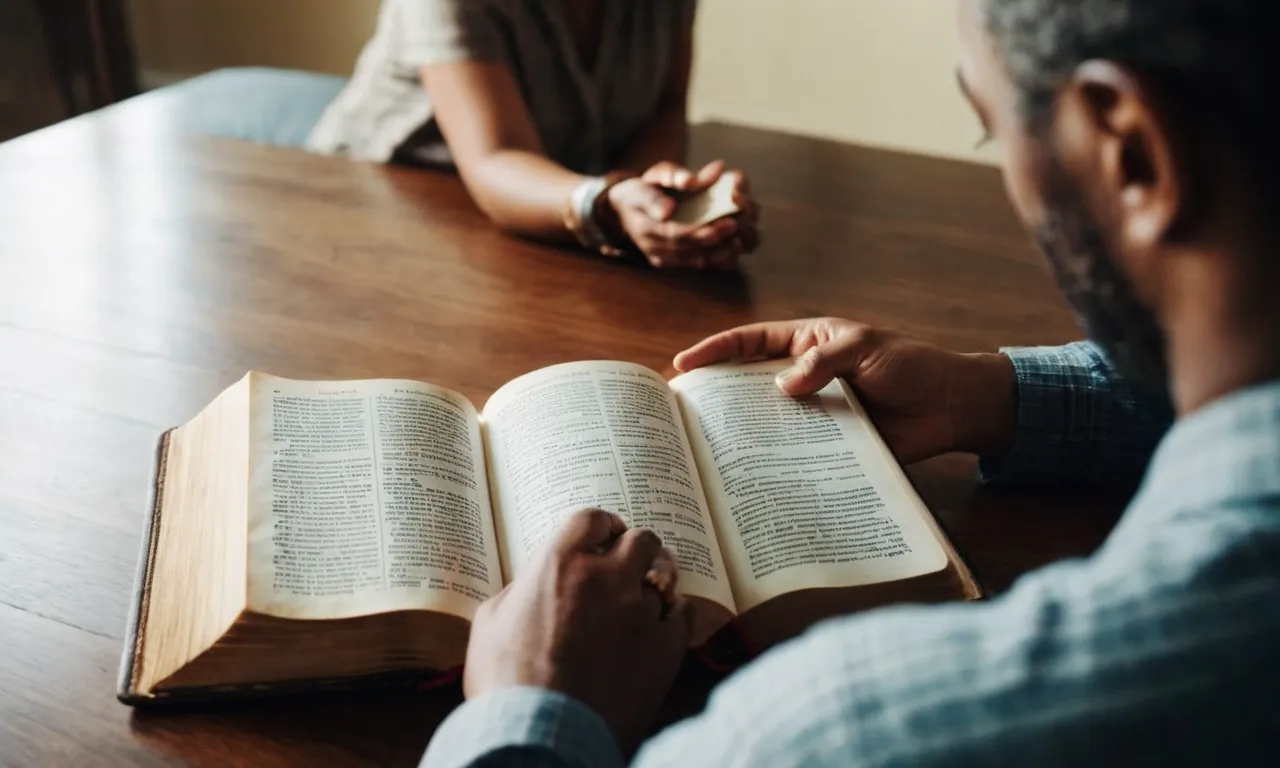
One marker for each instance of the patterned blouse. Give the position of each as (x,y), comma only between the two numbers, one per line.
(585,117)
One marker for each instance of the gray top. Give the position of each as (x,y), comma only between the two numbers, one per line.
(584,117)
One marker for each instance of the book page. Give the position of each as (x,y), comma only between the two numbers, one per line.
(606,435)
(366,497)
(710,205)
(804,492)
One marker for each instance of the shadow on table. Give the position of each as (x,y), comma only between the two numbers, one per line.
(1005,533)
(382,728)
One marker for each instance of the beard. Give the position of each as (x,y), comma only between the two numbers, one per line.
(1098,290)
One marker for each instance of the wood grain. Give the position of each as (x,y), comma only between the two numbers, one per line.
(141,272)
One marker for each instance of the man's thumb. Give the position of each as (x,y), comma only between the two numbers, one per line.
(812,371)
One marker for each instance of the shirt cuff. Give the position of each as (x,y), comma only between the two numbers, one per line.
(1048,436)
(522,726)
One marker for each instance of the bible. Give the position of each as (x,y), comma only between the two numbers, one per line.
(307,534)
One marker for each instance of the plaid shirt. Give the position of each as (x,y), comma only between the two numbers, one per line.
(1161,649)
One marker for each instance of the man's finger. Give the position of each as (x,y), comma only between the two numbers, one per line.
(817,367)
(750,342)
(637,549)
(589,530)
(664,574)
(661,581)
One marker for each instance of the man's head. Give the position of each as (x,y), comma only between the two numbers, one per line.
(1138,145)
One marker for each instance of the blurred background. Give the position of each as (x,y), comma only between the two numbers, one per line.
(874,72)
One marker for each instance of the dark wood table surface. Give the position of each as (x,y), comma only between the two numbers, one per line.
(141,272)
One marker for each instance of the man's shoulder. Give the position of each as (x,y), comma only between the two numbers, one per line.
(1229,544)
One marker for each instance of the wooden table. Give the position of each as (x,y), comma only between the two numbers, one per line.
(141,272)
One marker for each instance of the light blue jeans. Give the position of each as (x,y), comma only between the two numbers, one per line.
(267,106)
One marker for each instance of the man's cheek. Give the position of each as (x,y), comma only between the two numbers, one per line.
(1022,181)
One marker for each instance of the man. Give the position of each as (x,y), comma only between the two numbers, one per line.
(1139,147)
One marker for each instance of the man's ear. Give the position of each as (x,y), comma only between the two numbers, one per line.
(1116,140)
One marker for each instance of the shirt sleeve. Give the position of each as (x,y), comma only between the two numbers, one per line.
(445,31)
(1069,669)
(523,728)
(1082,663)
(1078,421)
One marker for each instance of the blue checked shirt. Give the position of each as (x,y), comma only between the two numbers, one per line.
(1161,649)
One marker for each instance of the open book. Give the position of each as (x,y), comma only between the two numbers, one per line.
(337,531)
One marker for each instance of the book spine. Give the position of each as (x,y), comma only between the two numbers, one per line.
(135,630)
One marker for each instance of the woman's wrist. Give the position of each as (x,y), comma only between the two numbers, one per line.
(578,212)
(607,216)
(592,217)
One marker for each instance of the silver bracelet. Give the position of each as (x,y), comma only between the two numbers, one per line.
(584,199)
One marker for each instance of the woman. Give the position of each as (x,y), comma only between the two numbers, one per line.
(545,107)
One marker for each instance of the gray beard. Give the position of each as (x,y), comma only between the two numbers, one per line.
(1100,293)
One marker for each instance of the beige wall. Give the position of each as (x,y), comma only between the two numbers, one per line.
(185,37)
(876,72)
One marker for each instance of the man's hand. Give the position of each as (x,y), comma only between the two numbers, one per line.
(645,207)
(581,620)
(924,400)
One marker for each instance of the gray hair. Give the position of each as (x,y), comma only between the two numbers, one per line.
(1214,42)
(1214,61)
